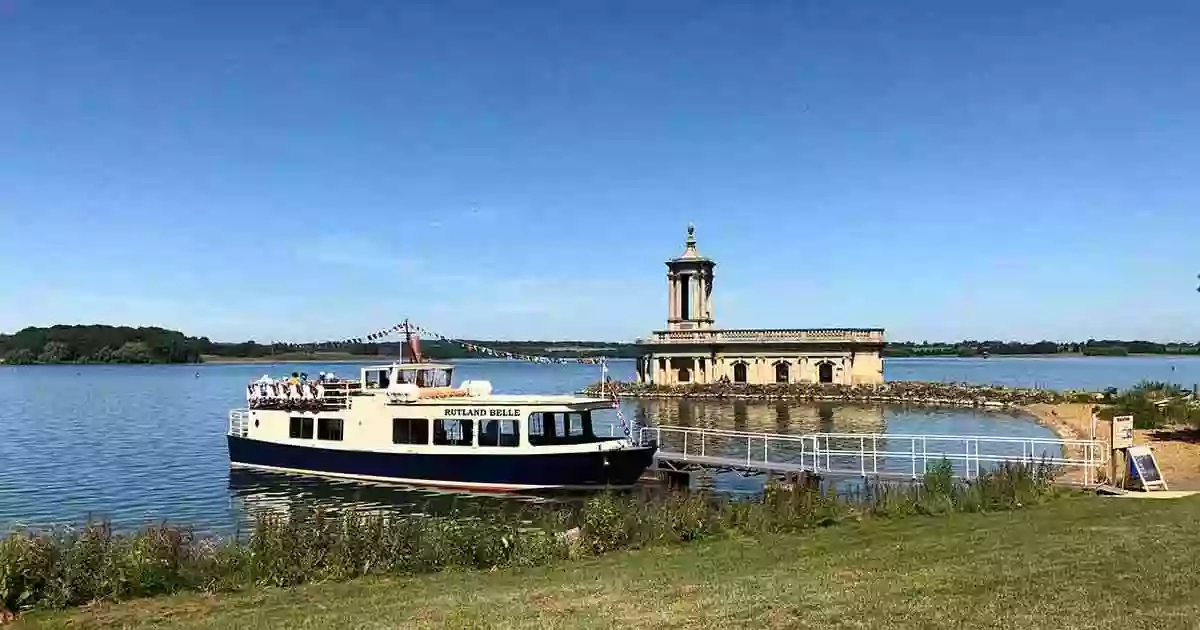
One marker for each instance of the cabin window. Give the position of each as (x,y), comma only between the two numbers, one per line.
(575,424)
(545,427)
(410,431)
(554,427)
(329,429)
(300,428)
(454,432)
(499,433)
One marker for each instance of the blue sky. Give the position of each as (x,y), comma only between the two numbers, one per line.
(306,169)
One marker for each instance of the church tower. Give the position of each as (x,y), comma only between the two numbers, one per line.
(689,288)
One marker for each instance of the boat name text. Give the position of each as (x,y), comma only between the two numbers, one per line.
(475,412)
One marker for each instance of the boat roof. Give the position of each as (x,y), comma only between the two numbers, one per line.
(411,366)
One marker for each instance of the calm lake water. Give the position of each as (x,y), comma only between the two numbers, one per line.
(145,443)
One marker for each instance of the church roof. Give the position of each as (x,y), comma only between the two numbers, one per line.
(690,253)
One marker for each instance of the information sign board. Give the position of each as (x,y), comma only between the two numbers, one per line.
(1122,432)
(1145,468)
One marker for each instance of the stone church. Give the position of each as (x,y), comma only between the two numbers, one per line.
(693,350)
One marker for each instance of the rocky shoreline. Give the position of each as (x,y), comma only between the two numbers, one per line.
(894,392)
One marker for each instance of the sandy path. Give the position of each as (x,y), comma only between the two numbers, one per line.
(1176,449)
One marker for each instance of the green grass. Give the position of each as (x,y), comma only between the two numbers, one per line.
(1083,562)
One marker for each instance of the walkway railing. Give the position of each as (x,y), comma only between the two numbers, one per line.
(870,454)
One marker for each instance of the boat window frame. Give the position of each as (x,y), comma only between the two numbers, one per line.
(382,378)
(501,442)
(341,426)
(426,425)
(465,425)
(292,433)
(563,433)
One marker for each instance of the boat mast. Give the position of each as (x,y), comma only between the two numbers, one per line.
(411,342)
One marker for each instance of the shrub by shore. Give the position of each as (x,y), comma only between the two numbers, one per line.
(70,567)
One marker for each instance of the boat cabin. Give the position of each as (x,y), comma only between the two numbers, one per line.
(401,382)
(420,374)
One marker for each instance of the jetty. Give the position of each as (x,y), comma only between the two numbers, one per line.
(684,450)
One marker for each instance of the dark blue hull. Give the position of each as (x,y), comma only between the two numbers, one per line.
(612,468)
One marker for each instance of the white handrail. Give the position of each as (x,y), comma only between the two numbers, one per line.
(786,452)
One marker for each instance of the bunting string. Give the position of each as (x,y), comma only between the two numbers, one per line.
(384,333)
(350,341)
(503,354)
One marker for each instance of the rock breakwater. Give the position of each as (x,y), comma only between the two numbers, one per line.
(901,392)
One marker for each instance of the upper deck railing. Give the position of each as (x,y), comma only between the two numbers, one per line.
(774,335)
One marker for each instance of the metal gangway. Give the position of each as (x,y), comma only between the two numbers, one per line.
(883,455)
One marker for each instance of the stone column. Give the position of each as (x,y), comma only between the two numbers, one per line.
(694,295)
(672,297)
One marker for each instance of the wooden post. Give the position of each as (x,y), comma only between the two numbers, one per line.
(1121,439)
(1112,467)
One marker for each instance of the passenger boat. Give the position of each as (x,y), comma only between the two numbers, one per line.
(407,423)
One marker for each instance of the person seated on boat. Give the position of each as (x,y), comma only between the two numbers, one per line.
(304,378)
(321,377)
(491,434)
(295,379)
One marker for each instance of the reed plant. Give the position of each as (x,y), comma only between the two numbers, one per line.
(74,566)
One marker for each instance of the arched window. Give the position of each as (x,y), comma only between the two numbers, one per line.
(739,372)
(782,371)
(825,372)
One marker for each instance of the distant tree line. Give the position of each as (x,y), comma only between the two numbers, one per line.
(430,349)
(100,344)
(124,344)
(1091,347)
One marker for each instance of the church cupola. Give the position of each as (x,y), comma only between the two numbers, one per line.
(689,288)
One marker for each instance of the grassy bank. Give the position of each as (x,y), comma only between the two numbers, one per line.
(64,568)
(1077,562)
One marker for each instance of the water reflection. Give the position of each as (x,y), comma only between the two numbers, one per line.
(787,417)
(253,492)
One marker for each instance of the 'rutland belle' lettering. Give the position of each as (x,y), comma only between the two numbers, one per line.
(478,412)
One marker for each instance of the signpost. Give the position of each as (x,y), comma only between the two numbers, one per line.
(1122,432)
(1121,440)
